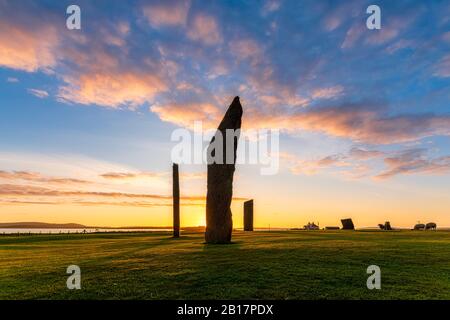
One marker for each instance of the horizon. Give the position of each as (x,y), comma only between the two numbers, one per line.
(189,226)
(88,115)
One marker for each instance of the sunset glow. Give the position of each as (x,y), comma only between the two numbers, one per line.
(86,116)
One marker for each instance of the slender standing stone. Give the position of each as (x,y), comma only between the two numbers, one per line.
(221,166)
(248,215)
(176,201)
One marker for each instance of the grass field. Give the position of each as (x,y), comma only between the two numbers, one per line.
(258,265)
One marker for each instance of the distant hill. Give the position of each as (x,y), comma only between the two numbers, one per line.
(42,225)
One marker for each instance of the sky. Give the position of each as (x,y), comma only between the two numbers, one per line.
(86,116)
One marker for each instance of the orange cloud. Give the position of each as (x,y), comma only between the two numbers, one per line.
(28,190)
(186,114)
(27,49)
(37,177)
(112,89)
(143,175)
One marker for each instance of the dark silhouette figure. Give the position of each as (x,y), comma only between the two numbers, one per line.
(430,226)
(387,226)
(419,226)
(176,201)
(347,224)
(248,215)
(219,223)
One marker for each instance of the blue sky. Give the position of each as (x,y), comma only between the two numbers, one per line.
(361,112)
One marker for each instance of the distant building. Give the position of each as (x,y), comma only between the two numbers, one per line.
(311,226)
(430,226)
(419,226)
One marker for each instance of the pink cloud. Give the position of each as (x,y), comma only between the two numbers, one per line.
(328,93)
(359,123)
(204,28)
(414,162)
(168,13)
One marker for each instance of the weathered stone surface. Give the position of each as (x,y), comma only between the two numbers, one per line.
(176,201)
(248,215)
(219,222)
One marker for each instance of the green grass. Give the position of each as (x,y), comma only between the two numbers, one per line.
(258,265)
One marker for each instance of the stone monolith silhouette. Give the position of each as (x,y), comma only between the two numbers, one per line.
(176,201)
(248,215)
(347,224)
(221,156)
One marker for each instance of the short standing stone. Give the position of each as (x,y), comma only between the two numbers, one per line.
(347,224)
(248,215)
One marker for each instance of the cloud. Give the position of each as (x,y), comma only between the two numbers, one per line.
(247,49)
(204,28)
(37,177)
(361,123)
(112,89)
(399,45)
(167,13)
(148,175)
(298,165)
(358,164)
(363,154)
(442,68)
(23,47)
(186,114)
(328,93)
(12,80)
(38,93)
(144,204)
(129,175)
(310,167)
(353,35)
(37,191)
(414,161)
(270,6)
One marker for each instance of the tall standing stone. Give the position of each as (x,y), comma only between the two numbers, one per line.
(248,215)
(221,166)
(176,201)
